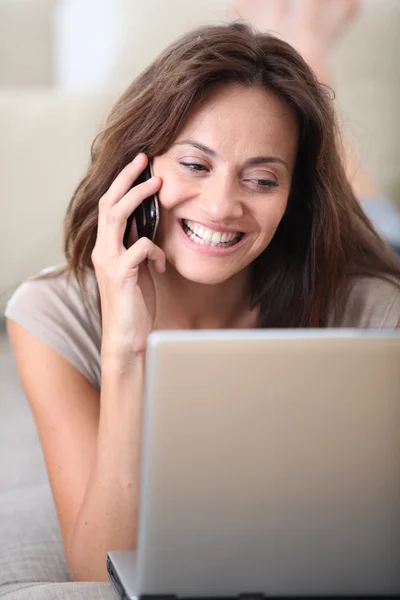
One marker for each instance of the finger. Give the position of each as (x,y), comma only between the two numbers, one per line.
(140,251)
(114,223)
(126,206)
(124,181)
(121,184)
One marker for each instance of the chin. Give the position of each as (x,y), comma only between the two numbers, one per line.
(204,276)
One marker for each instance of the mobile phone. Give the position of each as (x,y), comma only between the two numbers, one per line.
(146,215)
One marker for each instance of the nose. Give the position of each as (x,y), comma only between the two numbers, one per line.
(221,200)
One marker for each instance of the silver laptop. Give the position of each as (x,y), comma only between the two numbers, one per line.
(270,466)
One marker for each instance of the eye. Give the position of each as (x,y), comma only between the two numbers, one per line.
(194,167)
(264,184)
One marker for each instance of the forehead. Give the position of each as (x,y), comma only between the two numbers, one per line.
(244,121)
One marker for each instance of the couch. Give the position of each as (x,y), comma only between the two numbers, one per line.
(45,138)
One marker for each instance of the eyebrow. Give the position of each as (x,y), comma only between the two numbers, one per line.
(256,160)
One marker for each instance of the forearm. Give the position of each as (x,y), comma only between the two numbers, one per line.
(107,519)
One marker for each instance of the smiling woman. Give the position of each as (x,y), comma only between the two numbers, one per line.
(259,227)
(220,180)
(240,95)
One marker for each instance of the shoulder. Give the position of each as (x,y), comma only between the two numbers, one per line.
(53,294)
(369,302)
(52,307)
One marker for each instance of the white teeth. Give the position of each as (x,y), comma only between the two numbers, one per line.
(201,235)
(193,226)
(216,238)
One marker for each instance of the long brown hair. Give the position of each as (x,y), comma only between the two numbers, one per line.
(324,238)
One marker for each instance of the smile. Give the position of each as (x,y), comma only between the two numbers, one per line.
(203,236)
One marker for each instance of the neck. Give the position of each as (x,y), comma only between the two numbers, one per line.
(198,306)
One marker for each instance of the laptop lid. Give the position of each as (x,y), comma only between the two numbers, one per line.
(271,463)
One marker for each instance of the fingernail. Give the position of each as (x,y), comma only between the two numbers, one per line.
(160,266)
(138,157)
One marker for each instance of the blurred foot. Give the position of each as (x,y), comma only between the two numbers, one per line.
(310,26)
(322,20)
(315,25)
(325,20)
(263,15)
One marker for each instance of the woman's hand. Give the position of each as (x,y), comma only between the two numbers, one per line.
(127,293)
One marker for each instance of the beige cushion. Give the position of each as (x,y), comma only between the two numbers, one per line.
(32,562)
(44,150)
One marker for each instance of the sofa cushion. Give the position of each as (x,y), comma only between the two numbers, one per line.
(44,150)
(59,591)
(30,545)
(32,563)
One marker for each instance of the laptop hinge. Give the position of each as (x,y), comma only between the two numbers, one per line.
(158,597)
(244,596)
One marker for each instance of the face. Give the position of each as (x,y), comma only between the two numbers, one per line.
(226,182)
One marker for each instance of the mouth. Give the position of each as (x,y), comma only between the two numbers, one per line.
(207,237)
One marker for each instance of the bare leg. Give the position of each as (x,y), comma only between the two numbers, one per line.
(312,27)
(270,15)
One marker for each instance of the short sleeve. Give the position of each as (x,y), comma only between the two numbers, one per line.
(371,302)
(54,311)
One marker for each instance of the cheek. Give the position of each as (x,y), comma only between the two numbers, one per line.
(173,192)
(270,215)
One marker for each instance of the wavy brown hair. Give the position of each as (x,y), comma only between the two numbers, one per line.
(323,240)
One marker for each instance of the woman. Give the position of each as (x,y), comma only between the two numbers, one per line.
(243,142)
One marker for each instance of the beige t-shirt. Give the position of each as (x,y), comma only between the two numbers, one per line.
(56,313)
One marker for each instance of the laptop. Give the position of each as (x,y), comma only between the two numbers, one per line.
(270,466)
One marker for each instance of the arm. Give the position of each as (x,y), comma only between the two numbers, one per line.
(90,445)
(107,519)
(91,441)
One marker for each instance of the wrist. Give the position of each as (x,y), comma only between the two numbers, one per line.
(121,364)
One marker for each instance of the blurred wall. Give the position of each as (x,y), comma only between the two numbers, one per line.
(26,40)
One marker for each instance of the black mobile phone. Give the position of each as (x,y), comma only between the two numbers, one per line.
(146,215)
